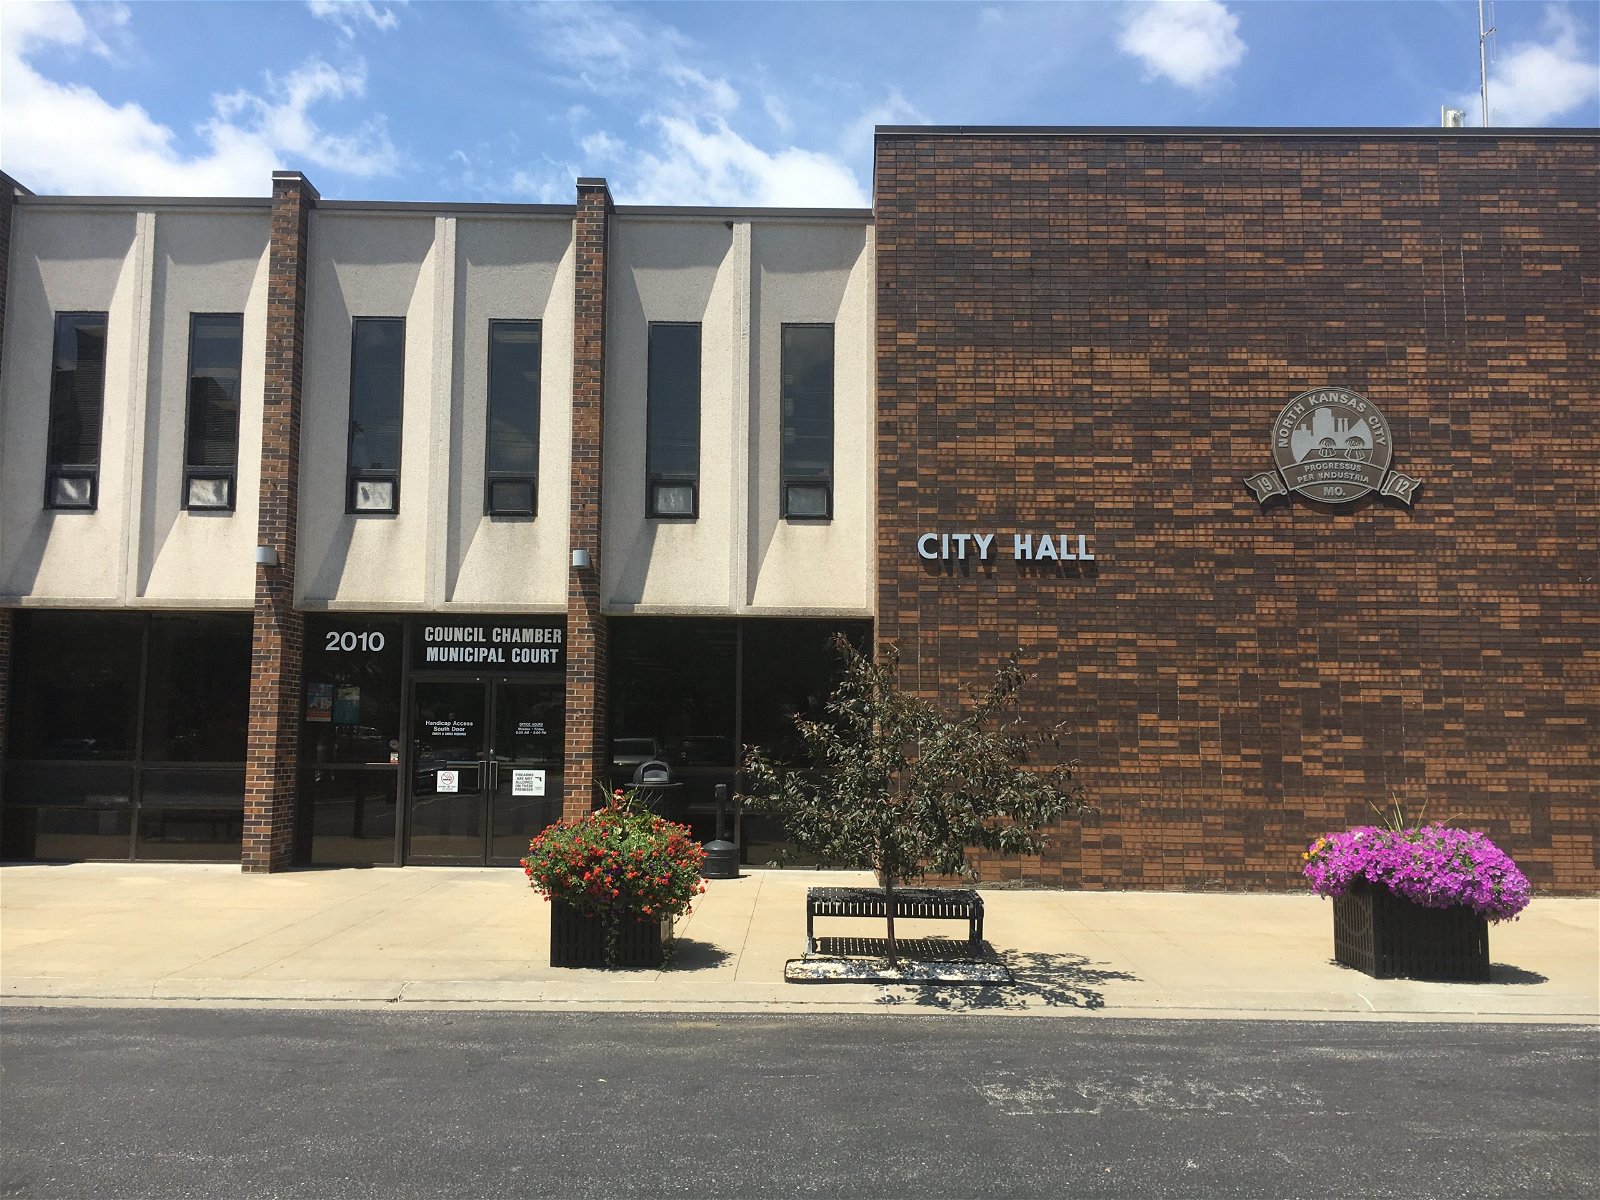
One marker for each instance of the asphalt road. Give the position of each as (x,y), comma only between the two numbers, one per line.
(274,1103)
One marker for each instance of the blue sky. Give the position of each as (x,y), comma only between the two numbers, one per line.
(726,103)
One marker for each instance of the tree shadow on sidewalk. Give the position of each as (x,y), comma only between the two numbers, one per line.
(1506,973)
(691,955)
(1038,979)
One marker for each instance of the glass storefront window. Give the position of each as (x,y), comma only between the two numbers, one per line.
(75,686)
(353,668)
(673,682)
(352,816)
(693,692)
(199,669)
(102,707)
(791,668)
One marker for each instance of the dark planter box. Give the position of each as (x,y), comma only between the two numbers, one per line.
(577,940)
(1377,932)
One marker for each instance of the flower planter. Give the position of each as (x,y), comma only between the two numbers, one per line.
(1386,937)
(579,940)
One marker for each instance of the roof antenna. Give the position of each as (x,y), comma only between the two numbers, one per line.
(1483,58)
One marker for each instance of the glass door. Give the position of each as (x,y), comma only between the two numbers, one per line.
(525,756)
(485,767)
(449,771)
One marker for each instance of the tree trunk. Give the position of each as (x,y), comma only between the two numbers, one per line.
(888,898)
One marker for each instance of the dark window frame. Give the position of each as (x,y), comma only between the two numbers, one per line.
(788,478)
(191,470)
(671,479)
(355,476)
(492,477)
(57,471)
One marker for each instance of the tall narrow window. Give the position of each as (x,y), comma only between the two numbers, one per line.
(807,466)
(377,388)
(211,447)
(511,456)
(672,421)
(77,406)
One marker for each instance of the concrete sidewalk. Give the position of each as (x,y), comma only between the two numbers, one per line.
(430,937)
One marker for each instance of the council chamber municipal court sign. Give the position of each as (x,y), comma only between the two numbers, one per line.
(1332,445)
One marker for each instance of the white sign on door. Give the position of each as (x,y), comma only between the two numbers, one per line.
(448,781)
(527,783)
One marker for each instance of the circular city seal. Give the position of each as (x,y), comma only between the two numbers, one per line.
(1332,445)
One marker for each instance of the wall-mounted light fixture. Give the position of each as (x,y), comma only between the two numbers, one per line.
(580,560)
(266,556)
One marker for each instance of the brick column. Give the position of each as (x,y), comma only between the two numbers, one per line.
(271,780)
(587,750)
(9,190)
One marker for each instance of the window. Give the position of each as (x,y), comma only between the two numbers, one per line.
(127,736)
(807,465)
(511,456)
(672,421)
(211,446)
(77,405)
(377,389)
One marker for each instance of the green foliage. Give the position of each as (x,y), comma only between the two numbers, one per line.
(894,784)
(617,859)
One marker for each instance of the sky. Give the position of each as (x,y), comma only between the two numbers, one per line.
(713,104)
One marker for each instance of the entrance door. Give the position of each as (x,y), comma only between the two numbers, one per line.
(485,767)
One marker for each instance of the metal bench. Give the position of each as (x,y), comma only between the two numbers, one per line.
(924,904)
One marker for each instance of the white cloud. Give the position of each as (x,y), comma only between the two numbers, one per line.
(1194,43)
(708,163)
(66,137)
(610,53)
(715,93)
(688,148)
(777,112)
(894,109)
(351,15)
(1531,83)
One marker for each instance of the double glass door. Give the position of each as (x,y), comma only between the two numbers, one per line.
(485,767)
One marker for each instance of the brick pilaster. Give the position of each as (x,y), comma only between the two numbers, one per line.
(9,190)
(586,749)
(272,761)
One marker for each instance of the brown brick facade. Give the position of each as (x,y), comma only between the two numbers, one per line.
(586,746)
(1095,332)
(272,763)
(8,198)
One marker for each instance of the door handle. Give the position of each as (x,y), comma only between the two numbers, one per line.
(491,770)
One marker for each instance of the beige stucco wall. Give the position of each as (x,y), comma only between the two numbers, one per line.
(447,276)
(812,272)
(204,263)
(519,269)
(147,269)
(741,276)
(692,270)
(367,266)
(742,279)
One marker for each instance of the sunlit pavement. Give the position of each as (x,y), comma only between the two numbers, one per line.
(431,937)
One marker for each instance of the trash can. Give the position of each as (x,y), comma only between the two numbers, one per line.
(655,789)
(722,856)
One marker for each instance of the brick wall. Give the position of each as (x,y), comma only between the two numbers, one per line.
(586,751)
(8,196)
(272,763)
(1095,333)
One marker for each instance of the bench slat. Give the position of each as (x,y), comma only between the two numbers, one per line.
(911,903)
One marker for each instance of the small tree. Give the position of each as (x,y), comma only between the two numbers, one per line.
(896,785)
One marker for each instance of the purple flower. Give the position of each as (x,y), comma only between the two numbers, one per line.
(1431,865)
